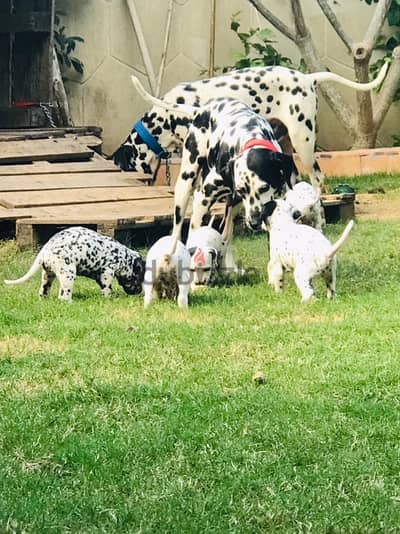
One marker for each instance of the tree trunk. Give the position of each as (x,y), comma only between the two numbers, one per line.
(362,125)
(366,133)
(60,95)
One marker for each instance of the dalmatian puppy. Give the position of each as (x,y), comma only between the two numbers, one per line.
(207,248)
(273,92)
(230,153)
(78,251)
(301,249)
(167,272)
(305,201)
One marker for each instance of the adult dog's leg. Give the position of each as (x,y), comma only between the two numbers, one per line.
(303,139)
(205,197)
(183,191)
(228,262)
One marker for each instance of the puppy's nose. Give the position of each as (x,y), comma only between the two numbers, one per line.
(296,214)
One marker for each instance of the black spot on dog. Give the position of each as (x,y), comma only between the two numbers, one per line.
(234,87)
(192,147)
(300,117)
(180,100)
(178,216)
(309,124)
(202,120)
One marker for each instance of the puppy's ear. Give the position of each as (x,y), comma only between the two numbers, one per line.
(268,210)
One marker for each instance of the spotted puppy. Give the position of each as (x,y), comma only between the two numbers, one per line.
(273,92)
(208,248)
(306,203)
(300,248)
(78,251)
(167,272)
(230,153)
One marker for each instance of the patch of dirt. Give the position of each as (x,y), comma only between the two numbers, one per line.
(377,207)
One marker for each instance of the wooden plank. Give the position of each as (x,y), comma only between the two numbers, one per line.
(97,163)
(25,199)
(130,212)
(50,182)
(7,134)
(43,149)
(92,141)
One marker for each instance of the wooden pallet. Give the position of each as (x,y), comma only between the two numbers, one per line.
(41,193)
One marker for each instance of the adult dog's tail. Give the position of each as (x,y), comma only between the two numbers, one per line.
(341,240)
(33,269)
(332,77)
(184,109)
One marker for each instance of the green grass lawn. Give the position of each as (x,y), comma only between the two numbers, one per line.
(116,419)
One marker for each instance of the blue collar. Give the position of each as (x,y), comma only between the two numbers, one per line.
(150,140)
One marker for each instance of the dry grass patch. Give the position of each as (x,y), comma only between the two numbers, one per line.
(21,346)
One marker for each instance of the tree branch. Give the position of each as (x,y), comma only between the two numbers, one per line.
(277,23)
(298,17)
(330,15)
(333,98)
(385,97)
(375,26)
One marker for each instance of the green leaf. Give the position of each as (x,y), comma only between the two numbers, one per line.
(77,64)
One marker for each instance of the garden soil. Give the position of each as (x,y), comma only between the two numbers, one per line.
(376,207)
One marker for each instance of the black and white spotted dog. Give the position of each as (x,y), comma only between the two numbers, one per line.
(273,92)
(167,272)
(306,202)
(230,153)
(301,249)
(207,247)
(78,251)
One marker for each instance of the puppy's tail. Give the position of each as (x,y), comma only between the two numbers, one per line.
(184,109)
(166,259)
(36,265)
(341,240)
(332,77)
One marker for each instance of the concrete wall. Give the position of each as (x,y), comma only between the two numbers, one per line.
(105,97)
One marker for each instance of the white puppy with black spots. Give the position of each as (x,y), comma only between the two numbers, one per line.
(208,250)
(305,200)
(301,249)
(167,272)
(79,251)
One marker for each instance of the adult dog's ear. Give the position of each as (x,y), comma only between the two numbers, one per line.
(289,169)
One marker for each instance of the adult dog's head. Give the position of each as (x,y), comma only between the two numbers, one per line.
(261,175)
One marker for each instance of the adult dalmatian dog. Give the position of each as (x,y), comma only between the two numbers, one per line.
(273,92)
(79,251)
(230,153)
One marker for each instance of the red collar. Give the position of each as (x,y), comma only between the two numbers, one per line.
(261,143)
